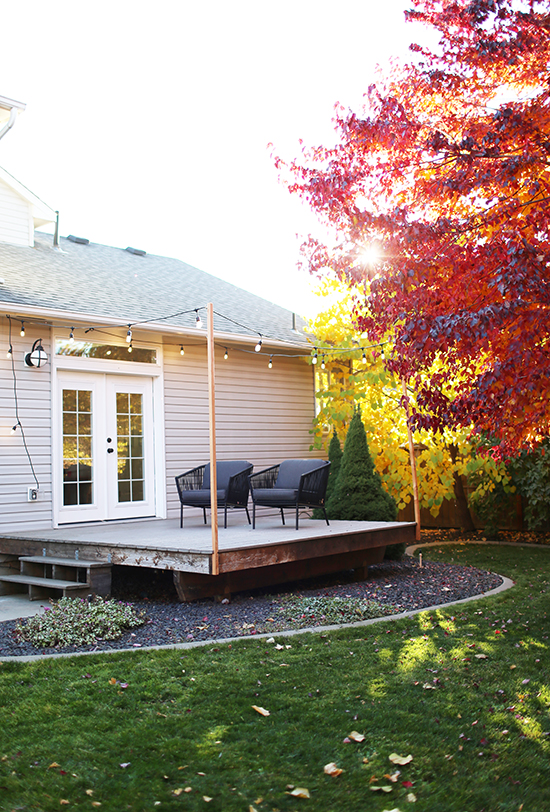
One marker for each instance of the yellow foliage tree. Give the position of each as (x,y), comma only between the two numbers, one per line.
(351,372)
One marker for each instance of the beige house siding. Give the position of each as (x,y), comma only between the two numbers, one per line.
(262,415)
(16,223)
(34,401)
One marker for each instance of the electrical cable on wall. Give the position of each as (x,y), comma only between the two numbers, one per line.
(18,424)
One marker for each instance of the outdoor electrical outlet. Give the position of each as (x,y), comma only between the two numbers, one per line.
(32,495)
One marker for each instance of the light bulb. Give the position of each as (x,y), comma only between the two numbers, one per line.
(270,362)
(14,429)
(129,335)
(323,362)
(182,351)
(130,348)
(9,354)
(315,358)
(22,333)
(258,346)
(364,358)
(71,336)
(225,355)
(198,320)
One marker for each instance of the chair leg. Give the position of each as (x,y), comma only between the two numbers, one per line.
(326,517)
(204,514)
(181,515)
(297,512)
(225,516)
(247,514)
(282,515)
(253,515)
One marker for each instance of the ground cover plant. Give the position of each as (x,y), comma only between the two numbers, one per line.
(259,725)
(76,621)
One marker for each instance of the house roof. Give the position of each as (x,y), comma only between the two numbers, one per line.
(97,281)
(41,212)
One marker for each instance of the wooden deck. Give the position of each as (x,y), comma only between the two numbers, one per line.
(272,553)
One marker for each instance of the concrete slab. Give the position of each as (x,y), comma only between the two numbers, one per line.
(12,607)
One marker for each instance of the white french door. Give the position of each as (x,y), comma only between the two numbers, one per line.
(105,459)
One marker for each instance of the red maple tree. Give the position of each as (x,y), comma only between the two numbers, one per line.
(447,171)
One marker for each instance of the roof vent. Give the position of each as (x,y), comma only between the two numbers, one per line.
(79,240)
(137,251)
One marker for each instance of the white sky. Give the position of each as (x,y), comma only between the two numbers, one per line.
(147,123)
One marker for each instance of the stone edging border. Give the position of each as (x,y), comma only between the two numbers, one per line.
(507,583)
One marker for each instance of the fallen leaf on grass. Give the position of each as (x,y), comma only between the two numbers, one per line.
(206,798)
(481,657)
(393,778)
(407,784)
(112,681)
(356,737)
(395,809)
(64,801)
(279,647)
(332,769)
(401,760)
(384,789)
(89,792)
(125,764)
(178,791)
(428,687)
(261,711)
(252,808)
(300,792)
(188,789)
(96,803)
(411,798)
(53,764)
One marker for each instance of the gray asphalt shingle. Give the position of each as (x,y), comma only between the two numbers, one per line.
(98,280)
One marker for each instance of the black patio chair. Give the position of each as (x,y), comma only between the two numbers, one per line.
(232,487)
(292,483)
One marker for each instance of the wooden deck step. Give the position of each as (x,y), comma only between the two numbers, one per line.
(64,562)
(53,583)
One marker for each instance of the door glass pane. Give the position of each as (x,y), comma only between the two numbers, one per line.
(130,446)
(77,447)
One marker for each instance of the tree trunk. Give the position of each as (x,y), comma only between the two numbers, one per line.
(463,510)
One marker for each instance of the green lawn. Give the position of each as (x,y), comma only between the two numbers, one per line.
(464,690)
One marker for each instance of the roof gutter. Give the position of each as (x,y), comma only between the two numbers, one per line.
(11,122)
(14,107)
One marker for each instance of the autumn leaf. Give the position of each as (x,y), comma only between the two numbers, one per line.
(64,801)
(401,760)
(393,778)
(332,769)
(261,711)
(407,784)
(178,791)
(89,792)
(53,764)
(411,797)
(96,803)
(112,681)
(206,798)
(356,737)
(383,789)
(125,764)
(481,656)
(300,792)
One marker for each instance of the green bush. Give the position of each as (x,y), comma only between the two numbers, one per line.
(335,459)
(358,494)
(78,622)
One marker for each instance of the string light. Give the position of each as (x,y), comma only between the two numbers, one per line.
(22,333)
(182,351)
(315,357)
(225,355)
(130,348)
(198,320)
(270,365)
(9,354)
(258,346)
(14,429)
(129,334)
(364,358)
(71,336)
(323,361)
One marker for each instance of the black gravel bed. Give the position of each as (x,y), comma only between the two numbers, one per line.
(398,586)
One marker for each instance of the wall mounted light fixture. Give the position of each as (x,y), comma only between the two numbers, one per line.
(37,357)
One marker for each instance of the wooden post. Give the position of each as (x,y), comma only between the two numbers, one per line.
(212,422)
(413,464)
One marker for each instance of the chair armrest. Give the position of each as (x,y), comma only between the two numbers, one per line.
(264,479)
(237,487)
(313,484)
(191,480)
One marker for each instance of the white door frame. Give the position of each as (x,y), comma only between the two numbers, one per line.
(83,369)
